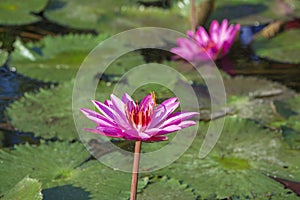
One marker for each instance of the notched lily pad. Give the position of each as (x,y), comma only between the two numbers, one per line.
(238,165)
(254,98)
(251,12)
(50,111)
(166,188)
(53,59)
(61,164)
(281,48)
(14,12)
(26,189)
(114,18)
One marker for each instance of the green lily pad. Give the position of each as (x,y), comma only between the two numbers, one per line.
(253,12)
(53,58)
(116,17)
(239,165)
(14,12)
(50,111)
(254,98)
(26,189)
(63,164)
(281,48)
(134,17)
(78,14)
(166,188)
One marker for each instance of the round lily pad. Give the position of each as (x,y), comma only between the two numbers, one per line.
(26,189)
(14,12)
(50,111)
(253,98)
(281,48)
(167,189)
(53,59)
(253,12)
(63,164)
(239,165)
(116,17)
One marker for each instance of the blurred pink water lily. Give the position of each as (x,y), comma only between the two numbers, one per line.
(124,118)
(202,46)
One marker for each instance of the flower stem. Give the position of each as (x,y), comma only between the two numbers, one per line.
(193,16)
(135,170)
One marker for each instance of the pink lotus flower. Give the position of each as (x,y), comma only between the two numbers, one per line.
(144,122)
(201,46)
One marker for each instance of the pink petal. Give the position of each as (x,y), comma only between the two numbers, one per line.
(146,101)
(169,129)
(133,133)
(96,117)
(186,124)
(126,98)
(114,134)
(105,110)
(160,138)
(161,131)
(177,118)
(161,113)
(202,37)
(120,117)
(214,31)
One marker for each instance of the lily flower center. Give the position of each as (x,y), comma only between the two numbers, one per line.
(140,116)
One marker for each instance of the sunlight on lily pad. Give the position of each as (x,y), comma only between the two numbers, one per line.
(253,12)
(238,165)
(50,111)
(116,17)
(254,98)
(281,48)
(59,164)
(15,12)
(26,189)
(53,59)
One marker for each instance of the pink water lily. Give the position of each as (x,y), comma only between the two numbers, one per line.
(202,46)
(125,118)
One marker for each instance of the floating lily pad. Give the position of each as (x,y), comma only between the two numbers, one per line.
(50,111)
(14,12)
(254,98)
(78,14)
(53,58)
(239,164)
(134,17)
(281,48)
(26,189)
(167,189)
(253,12)
(116,17)
(62,164)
